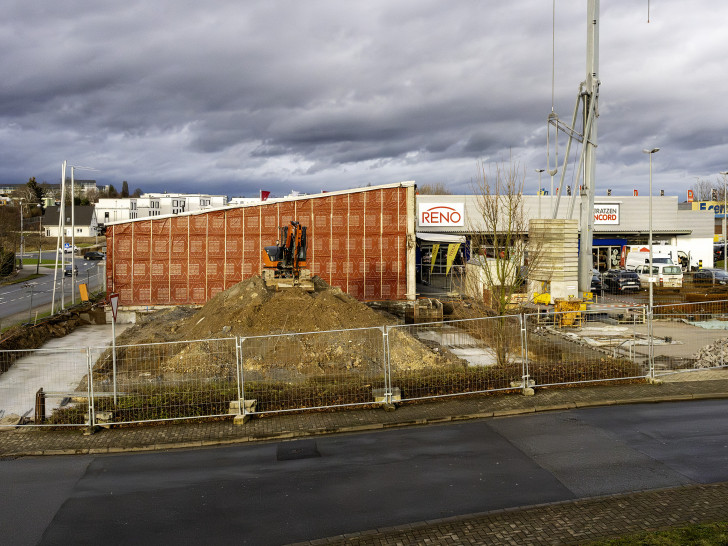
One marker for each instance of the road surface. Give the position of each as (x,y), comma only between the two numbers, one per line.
(277,493)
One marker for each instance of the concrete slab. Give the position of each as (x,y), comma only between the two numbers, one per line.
(58,366)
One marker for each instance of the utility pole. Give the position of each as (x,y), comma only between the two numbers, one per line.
(590,97)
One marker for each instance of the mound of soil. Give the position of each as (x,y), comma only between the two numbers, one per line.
(250,310)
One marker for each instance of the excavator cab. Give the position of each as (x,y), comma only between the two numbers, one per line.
(284,264)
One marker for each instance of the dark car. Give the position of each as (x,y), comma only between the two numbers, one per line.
(596,281)
(621,280)
(68,272)
(710,276)
(93,255)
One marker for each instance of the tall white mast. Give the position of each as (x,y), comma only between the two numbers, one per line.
(590,97)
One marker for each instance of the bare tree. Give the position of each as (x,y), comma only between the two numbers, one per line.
(499,233)
(433,189)
(707,190)
(501,250)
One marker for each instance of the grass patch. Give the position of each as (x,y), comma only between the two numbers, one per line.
(34,261)
(709,534)
(18,281)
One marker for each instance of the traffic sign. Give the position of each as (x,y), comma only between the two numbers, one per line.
(114,301)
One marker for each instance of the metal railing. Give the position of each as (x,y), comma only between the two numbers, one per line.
(358,367)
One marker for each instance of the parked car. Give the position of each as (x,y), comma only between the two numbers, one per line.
(68,272)
(93,255)
(596,281)
(621,280)
(710,276)
(670,276)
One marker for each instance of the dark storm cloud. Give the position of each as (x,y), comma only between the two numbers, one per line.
(233,96)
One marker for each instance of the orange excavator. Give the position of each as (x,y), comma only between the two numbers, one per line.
(284,264)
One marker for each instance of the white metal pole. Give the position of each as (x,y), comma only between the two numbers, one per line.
(650,277)
(113,357)
(21,232)
(539,171)
(725,241)
(73,237)
(591,93)
(59,243)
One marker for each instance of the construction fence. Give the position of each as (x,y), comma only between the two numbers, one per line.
(359,367)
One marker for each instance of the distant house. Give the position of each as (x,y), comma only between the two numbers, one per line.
(84,222)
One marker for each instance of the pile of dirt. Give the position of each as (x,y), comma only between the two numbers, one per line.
(250,310)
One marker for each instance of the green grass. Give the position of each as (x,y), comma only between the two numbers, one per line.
(34,261)
(18,281)
(709,534)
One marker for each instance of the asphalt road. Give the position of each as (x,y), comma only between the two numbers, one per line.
(277,493)
(15,299)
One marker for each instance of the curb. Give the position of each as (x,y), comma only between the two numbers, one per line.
(291,435)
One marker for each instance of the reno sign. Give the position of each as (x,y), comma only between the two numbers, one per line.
(441,214)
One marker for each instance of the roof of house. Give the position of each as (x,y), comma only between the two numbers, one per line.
(82,215)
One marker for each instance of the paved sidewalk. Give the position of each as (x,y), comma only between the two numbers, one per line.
(24,441)
(558,523)
(576,522)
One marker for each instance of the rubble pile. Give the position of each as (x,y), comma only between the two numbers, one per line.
(713,355)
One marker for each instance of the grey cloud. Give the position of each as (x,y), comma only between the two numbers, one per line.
(296,95)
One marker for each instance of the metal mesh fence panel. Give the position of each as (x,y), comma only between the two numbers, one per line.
(39,385)
(605,344)
(690,337)
(163,381)
(455,357)
(313,370)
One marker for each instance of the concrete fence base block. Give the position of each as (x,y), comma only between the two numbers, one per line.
(653,381)
(249,406)
(241,419)
(528,391)
(380,395)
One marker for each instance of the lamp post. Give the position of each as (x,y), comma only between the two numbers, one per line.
(725,242)
(539,171)
(21,232)
(73,229)
(650,277)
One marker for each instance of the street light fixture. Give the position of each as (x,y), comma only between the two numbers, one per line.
(651,277)
(539,171)
(725,240)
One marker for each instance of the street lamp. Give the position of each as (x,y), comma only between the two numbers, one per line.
(73,229)
(539,171)
(21,199)
(725,241)
(651,277)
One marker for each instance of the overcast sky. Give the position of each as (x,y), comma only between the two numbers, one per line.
(231,97)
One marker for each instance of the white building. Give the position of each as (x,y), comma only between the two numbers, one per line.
(621,224)
(154,204)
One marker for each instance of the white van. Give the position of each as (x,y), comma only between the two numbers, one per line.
(636,258)
(666,275)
